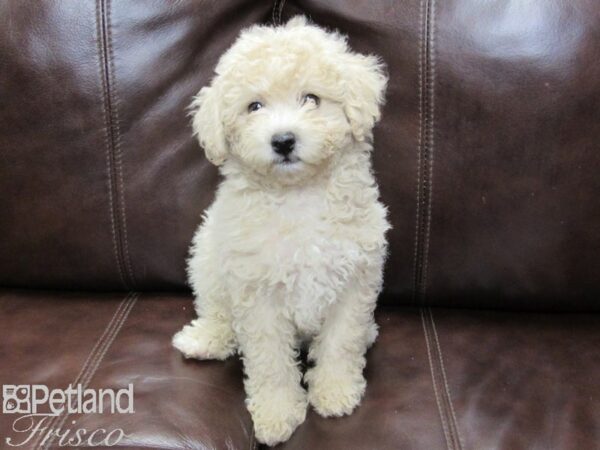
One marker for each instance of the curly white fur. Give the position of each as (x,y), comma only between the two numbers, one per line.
(290,252)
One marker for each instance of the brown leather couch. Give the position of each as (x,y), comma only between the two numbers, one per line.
(488,157)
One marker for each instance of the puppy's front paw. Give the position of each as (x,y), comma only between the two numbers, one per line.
(276,414)
(334,393)
(204,339)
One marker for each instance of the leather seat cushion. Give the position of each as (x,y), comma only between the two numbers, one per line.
(500,380)
(109,341)
(436,378)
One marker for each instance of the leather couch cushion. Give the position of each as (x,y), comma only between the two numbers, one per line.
(500,380)
(436,378)
(521,380)
(101,182)
(109,341)
(486,154)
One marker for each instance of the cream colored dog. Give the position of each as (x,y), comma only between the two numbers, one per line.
(293,246)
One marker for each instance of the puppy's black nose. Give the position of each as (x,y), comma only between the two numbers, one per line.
(283,144)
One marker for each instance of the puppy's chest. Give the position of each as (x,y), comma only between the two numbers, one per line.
(294,231)
(295,243)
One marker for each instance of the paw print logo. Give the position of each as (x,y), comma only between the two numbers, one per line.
(16,399)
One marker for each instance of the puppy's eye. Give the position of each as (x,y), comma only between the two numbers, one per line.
(311,99)
(254,106)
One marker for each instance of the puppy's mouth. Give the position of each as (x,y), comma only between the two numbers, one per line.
(287,160)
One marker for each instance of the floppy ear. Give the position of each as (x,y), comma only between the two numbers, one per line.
(365,82)
(207,124)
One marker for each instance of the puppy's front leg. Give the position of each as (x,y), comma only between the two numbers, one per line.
(276,400)
(336,383)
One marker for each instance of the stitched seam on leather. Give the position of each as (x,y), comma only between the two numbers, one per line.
(117,143)
(431,152)
(438,400)
(105,108)
(252,440)
(277,11)
(88,372)
(425,148)
(89,359)
(123,312)
(115,169)
(274,12)
(419,150)
(455,429)
(281,9)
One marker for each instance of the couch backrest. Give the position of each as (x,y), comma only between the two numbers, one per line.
(488,154)
(101,182)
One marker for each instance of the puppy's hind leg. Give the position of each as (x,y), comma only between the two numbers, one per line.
(211,335)
(336,383)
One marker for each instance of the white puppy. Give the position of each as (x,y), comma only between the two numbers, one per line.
(293,246)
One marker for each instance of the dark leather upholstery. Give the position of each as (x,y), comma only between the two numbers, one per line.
(96,142)
(489,139)
(437,378)
(109,341)
(487,157)
(501,380)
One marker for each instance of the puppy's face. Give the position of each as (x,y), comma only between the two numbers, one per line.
(288,131)
(286,100)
